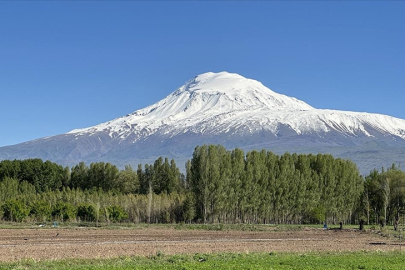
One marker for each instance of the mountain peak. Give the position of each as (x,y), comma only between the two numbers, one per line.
(210,80)
(207,96)
(240,91)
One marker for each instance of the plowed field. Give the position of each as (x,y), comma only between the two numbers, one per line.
(55,243)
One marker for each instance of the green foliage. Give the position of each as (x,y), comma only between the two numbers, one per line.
(92,204)
(163,176)
(41,210)
(64,211)
(315,216)
(14,210)
(25,188)
(102,175)
(8,189)
(116,213)
(42,175)
(127,181)
(79,176)
(261,187)
(220,186)
(383,199)
(87,212)
(189,208)
(271,260)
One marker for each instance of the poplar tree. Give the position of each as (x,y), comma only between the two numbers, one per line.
(235,195)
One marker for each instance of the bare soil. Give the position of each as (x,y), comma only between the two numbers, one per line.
(61,243)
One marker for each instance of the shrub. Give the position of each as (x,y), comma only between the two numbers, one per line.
(64,211)
(86,212)
(41,210)
(116,213)
(14,210)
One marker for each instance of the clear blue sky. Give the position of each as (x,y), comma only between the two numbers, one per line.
(74,64)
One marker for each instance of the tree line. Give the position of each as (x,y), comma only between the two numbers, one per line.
(261,187)
(383,199)
(36,190)
(219,185)
(163,176)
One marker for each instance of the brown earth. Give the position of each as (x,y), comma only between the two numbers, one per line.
(60,243)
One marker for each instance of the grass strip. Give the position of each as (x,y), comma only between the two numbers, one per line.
(272,260)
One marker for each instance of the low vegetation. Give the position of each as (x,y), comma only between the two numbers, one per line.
(272,260)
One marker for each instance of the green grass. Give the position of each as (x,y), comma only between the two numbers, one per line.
(355,260)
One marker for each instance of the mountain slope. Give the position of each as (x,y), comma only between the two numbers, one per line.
(227,109)
(220,97)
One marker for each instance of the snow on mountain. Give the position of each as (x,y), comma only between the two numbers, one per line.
(217,96)
(227,109)
(216,103)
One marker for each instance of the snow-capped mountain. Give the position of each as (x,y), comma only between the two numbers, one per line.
(228,109)
(211,102)
(216,103)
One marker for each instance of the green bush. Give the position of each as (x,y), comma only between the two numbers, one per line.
(116,213)
(64,211)
(41,210)
(86,212)
(14,210)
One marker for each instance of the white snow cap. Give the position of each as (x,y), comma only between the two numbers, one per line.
(221,102)
(240,92)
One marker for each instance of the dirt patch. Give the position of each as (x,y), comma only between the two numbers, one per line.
(57,243)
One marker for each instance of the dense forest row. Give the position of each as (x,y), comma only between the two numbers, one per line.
(261,187)
(219,186)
